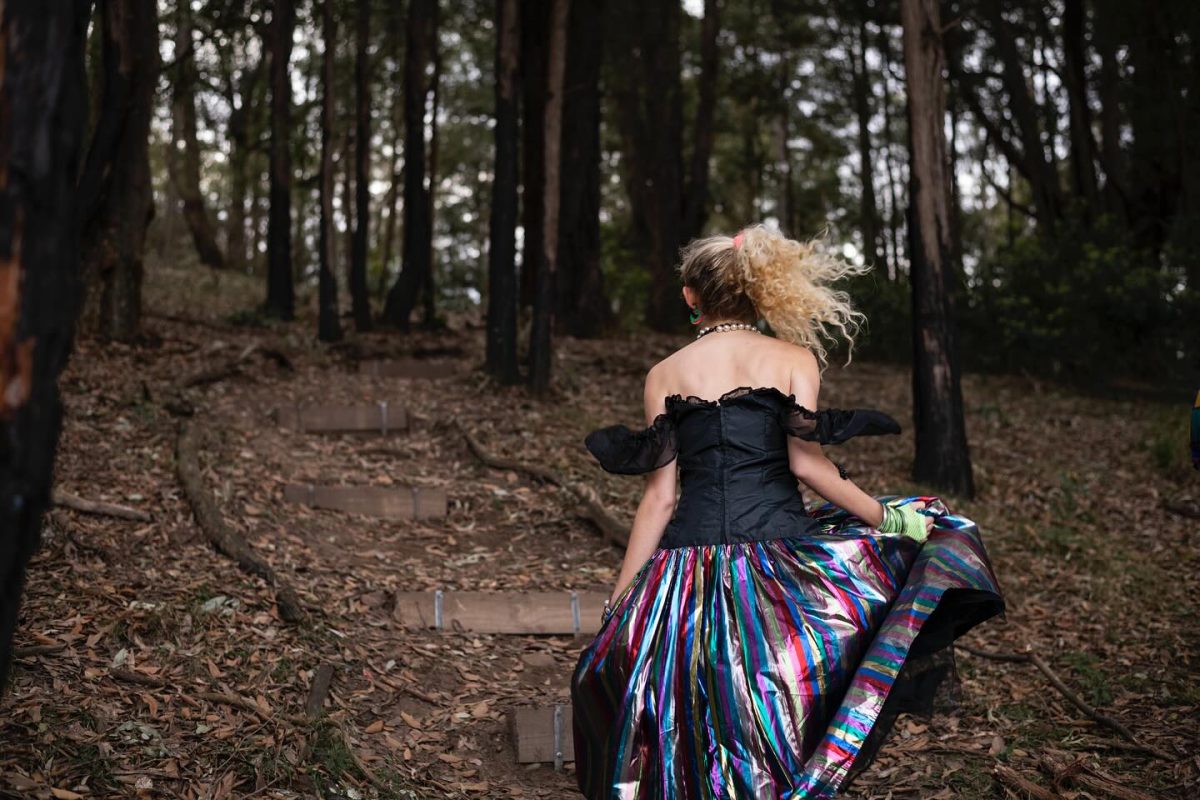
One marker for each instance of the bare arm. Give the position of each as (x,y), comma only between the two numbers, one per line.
(657,504)
(808,461)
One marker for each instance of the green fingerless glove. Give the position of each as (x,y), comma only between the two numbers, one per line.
(904,520)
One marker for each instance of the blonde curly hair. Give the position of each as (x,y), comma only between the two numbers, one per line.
(762,273)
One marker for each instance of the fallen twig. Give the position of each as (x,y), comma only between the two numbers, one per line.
(37,650)
(214,527)
(593,510)
(68,500)
(1065,691)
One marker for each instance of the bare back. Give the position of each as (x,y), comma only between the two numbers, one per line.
(727,360)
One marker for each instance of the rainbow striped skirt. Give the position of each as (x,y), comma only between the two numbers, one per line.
(774,668)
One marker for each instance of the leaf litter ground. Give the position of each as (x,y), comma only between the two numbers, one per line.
(152,667)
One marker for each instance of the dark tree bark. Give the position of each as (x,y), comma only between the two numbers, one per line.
(281,298)
(541,347)
(359,294)
(418,233)
(115,189)
(868,208)
(583,307)
(41,74)
(1083,147)
(183,158)
(942,458)
(535,32)
(695,211)
(429,290)
(1109,88)
(501,360)
(391,202)
(1156,118)
(649,103)
(329,326)
(1037,168)
(242,98)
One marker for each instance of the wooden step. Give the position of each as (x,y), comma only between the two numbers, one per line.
(408,368)
(383,418)
(384,502)
(572,613)
(542,734)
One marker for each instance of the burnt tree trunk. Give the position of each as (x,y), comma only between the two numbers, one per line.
(359,294)
(1108,86)
(1037,168)
(535,31)
(502,245)
(242,101)
(429,290)
(115,189)
(649,103)
(583,307)
(862,106)
(183,157)
(942,458)
(541,347)
(42,74)
(695,209)
(281,298)
(329,327)
(403,295)
(1083,147)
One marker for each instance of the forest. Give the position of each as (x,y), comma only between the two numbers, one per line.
(307,305)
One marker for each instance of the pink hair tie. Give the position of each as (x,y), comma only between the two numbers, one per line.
(737,240)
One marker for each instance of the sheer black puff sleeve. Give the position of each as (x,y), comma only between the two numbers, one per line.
(628,452)
(835,425)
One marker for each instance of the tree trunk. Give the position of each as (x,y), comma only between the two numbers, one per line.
(329,326)
(403,296)
(649,103)
(502,245)
(429,290)
(359,294)
(42,73)
(280,292)
(583,307)
(1083,148)
(115,187)
(1109,88)
(1038,170)
(942,458)
(183,157)
(535,31)
(695,212)
(541,347)
(862,106)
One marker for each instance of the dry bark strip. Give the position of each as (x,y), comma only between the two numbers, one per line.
(1018,782)
(322,680)
(1083,775)
(68,500)
(1181,509)
(592,509)
(1065,691)
(227,541)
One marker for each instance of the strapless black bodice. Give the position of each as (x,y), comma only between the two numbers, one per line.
(735,481)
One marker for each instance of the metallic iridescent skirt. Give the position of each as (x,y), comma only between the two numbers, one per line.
(774,668)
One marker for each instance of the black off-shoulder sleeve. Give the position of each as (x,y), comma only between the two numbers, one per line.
(834,425)
(628,452)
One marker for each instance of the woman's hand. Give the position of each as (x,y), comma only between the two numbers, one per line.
(907,520)
(920,504)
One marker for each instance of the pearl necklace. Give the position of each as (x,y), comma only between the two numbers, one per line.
(728,326)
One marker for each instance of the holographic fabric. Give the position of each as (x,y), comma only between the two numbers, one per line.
(772,666)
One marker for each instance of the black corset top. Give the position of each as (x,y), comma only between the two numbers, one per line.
(736,484)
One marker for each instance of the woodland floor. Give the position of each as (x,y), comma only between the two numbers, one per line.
(1098,577)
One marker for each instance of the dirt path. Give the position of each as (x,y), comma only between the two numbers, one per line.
(1098,577)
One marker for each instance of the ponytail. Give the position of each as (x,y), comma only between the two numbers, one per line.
(789,283)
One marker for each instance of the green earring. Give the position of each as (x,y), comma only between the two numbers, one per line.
(695,316)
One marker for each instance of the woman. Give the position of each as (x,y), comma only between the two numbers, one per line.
(753,648)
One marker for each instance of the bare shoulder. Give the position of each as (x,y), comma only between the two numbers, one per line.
(797,357)
(803,371)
